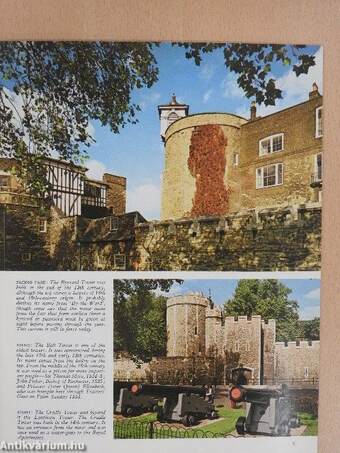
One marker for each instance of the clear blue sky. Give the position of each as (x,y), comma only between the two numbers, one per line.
(137,152)
(305,291)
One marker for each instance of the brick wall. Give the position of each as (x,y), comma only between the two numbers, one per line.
(201,176)
(115,193)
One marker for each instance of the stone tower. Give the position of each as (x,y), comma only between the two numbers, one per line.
(186,325)
(213,331)
(200,177)
(169,113)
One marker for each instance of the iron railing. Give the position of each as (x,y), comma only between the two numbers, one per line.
(316,178)
(134,429)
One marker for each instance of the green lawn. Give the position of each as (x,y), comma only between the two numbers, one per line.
(224,425)
(311,422)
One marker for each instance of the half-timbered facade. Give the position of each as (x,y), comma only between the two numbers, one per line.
(66,186)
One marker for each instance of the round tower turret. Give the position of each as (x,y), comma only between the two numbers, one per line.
(186,325)
(213,331)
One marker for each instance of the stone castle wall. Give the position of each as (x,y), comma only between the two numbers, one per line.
(297,361)
(268,350)
(167,370)
(242,343)
(267,240)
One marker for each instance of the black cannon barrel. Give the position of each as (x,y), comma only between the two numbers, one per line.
(118,385)
(261,394)
(167,390)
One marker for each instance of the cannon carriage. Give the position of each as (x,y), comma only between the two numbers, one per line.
(268,410)
(184,404)
(128,403)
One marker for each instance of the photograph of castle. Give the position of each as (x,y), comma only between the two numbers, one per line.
(259,336)
(103,168)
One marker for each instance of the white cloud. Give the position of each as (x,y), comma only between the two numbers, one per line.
(96,169)
(230,88)
(145,198)
(15,103)
(310,312)
(314,294)
(149,99)
(243,111)
(296,89)
(207,71)
(91,130)
(207,96)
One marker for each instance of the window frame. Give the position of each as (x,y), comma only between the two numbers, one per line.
(316,167)
(236,159)
(261,184)
(115,263)
(306,372)
(44,228)
(7,178)
(113,224)
(271,139)
(26,257)
(318,121)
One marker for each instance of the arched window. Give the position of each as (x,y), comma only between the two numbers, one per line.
(172,117)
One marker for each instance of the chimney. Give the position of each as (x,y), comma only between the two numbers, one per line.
(253,111)
(315,91)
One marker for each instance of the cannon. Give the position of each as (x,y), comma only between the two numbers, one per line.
(185,404)
(128,403)
(268,410)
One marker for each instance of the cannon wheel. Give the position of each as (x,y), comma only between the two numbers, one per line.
(160,417)
(188,420)
(240,425)
(211,415)
(284,429)
(128,411)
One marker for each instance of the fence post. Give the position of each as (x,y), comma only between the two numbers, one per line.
(150,430)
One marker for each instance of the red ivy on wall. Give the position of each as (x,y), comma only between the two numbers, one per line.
(207,164)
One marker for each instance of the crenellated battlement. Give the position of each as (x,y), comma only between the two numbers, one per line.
(242,319)
(188,299)
(215,312)
(282,238)
(302,344)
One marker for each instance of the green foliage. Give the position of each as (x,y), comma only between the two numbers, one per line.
(310,421)
(268,298)
(310,330)
(140,318)
(253,65)
(59,88)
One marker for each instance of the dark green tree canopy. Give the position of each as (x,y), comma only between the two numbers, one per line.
(140,318)
(270,299)
(253,64)
(60,86)
(310,329)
